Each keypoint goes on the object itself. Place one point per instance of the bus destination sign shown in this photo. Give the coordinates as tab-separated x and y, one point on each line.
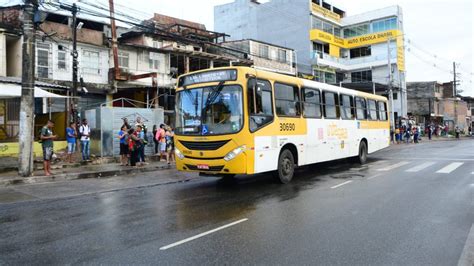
208	76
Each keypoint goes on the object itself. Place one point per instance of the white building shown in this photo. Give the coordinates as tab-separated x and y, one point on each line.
331	47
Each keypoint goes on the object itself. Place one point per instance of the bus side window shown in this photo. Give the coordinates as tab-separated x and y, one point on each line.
382	111
287	100
260	103
372	110
311	103
330	105
361	108
347	107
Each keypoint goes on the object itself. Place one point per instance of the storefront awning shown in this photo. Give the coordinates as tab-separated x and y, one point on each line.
10	90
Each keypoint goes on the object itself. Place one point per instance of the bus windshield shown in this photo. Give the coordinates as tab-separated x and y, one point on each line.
210	110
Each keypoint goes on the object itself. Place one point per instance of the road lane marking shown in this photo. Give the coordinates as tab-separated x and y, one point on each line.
202	234
342	184
373	176
393	166
420	167
467	255
449	168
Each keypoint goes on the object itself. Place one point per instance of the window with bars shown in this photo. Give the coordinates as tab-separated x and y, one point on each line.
263	51
282	55
62	64
90	62
154	61
42	60
123	60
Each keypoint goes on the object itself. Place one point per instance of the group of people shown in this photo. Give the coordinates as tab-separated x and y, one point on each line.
132	142
46	137
134	139
407	134
412	133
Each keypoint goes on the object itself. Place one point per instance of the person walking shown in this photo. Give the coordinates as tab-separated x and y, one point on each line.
85	132
469	130
71	138
416	133
155	141
169	145
123	137
160	137
47	138
457	131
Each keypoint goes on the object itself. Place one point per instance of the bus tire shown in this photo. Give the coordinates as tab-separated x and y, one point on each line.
362	156
286	167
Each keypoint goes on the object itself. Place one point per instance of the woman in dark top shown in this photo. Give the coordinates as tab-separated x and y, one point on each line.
155	129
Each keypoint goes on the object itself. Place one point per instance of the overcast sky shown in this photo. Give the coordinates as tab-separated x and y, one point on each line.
442	29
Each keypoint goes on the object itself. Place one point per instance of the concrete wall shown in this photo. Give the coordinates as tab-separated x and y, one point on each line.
280	22
238	19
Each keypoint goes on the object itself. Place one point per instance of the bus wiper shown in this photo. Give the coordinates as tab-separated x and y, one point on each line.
213	96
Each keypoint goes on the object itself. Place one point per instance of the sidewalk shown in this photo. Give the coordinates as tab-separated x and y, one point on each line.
100	168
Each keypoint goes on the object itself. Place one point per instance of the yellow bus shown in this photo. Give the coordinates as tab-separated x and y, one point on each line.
239	120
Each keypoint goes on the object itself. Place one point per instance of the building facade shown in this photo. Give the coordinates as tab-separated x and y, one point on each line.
432	103
266	56
363	51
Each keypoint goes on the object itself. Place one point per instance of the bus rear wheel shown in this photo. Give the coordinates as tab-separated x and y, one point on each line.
362	157
286	167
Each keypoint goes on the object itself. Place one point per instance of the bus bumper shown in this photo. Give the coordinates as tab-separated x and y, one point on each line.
238	165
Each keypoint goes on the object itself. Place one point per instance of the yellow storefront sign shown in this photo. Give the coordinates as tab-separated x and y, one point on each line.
364	40
326	13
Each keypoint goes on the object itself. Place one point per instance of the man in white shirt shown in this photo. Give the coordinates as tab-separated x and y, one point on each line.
85	132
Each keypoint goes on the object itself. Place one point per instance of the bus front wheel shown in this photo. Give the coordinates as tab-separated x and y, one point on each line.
362	157
286	167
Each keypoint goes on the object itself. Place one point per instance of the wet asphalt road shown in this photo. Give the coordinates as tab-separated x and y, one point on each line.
408	206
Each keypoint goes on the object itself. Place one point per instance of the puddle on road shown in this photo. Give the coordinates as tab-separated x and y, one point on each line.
347	176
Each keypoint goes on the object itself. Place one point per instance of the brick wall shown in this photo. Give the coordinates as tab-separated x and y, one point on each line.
83	35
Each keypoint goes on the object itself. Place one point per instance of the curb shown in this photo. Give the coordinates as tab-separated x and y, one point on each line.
81	175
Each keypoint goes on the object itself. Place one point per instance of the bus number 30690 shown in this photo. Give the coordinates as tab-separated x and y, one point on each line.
287	127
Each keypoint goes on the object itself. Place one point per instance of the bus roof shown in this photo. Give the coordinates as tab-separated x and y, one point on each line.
295	80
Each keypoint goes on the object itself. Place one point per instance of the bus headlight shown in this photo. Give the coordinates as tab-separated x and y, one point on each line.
178	153
231	155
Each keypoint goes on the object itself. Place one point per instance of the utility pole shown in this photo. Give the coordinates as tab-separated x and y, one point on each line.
454	80
389	85
25	137
74	64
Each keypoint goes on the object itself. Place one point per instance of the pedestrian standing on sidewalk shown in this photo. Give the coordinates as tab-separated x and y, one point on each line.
85	132
469	130
123	137
157	144
430	132
169	145
397	135
125	123
133	145
141	151
160	137
416	133
47	138
71	138
407	136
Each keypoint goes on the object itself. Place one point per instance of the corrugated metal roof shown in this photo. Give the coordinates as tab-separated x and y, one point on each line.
17	80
